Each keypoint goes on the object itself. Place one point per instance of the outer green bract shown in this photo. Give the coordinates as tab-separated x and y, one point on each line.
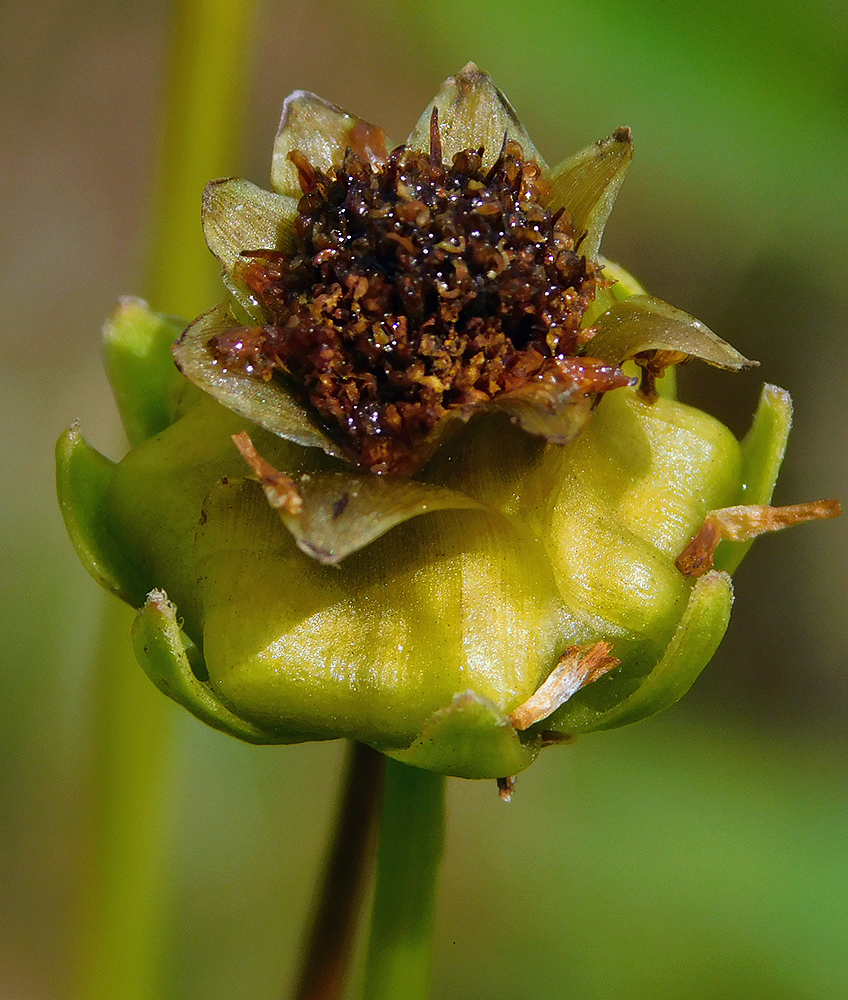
416	615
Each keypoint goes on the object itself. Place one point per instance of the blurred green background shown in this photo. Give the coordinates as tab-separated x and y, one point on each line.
702	854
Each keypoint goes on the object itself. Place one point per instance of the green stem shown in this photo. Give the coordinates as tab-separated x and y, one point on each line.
123	904
333	931
411	839
204	111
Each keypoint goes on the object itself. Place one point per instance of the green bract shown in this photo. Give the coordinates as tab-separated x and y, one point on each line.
534	551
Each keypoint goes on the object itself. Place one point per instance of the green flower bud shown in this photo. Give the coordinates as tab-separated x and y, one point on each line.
416	482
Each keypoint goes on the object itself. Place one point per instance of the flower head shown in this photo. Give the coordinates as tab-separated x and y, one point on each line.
452	276
431	496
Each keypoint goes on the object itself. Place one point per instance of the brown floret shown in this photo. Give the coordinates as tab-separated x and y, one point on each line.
416	289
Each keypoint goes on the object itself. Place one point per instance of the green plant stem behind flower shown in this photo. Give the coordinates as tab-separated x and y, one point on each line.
411	840
121	927
123	900
202	114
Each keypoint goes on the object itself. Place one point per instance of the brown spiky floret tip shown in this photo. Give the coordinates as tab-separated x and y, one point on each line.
417	289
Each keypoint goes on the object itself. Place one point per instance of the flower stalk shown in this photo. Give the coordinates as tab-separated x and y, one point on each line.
324	972
402	918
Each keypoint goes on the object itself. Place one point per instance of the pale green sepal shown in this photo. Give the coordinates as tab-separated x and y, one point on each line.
321	132
239	216
587	184
343	513
556	412
366	650
270	404
83	477
764	445
644	323
469	739
472	113
625	284
155	497
166	655
620	504
763	449
553	411
148	387
695	640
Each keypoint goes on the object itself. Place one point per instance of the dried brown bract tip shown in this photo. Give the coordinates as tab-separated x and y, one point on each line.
280	490
744	523
416	290
506	786
576	668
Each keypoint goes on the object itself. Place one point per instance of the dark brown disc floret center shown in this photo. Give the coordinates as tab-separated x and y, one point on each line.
415	289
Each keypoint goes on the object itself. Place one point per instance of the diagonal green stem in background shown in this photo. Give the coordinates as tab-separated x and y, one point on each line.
123	898
411	840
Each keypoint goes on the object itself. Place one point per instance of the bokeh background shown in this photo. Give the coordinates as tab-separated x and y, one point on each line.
701	854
